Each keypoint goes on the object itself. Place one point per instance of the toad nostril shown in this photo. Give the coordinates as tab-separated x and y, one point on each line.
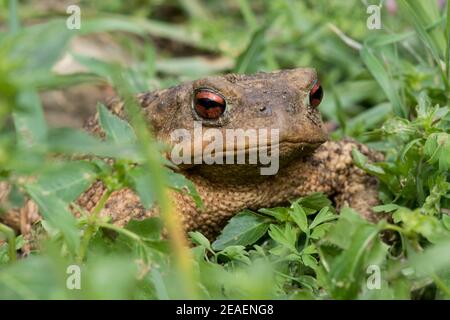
262	109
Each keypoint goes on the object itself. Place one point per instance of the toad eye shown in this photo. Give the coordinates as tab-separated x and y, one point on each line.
315	95
208	104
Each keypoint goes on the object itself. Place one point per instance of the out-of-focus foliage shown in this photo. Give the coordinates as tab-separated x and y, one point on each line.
389	89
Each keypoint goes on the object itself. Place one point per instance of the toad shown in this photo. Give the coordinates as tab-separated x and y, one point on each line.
285	102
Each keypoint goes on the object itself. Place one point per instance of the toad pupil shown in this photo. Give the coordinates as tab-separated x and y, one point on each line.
209	105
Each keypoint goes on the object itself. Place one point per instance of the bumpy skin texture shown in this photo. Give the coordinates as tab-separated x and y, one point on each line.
277	100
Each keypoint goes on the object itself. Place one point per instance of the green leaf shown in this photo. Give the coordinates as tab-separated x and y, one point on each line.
299	217
386	207
116	129
286	236
142	183
324	215
160	287
149	228
200	239
237	253
348	223
428	226
181	183
446	221
314	202
55	211
434	259
347	268
309	261
67	181
384	80
362	162
279	213
437	148
243	229
70	141
320	231
29	120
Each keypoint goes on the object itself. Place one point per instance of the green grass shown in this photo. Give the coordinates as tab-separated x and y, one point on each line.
390	91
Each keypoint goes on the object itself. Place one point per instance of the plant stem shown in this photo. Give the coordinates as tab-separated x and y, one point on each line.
92	225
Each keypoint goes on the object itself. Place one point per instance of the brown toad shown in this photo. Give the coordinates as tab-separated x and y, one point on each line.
286	101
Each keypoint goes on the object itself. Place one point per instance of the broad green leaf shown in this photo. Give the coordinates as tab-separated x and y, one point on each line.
29	120
342	231
348	266
116	129
243	229
67	181
142	183
149	228
56	212
72	141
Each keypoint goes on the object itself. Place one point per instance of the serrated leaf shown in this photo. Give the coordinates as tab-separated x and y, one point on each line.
68	181
181	183
142	183
70	141
299	217
279	213
286	236
314	202
320	231
386	207
309	261
324	215
116	129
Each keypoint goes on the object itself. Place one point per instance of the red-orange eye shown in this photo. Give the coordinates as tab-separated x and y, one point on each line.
315	95
208	104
